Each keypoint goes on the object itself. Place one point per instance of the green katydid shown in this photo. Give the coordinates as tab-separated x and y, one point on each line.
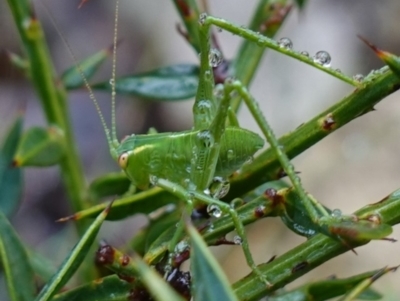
186	163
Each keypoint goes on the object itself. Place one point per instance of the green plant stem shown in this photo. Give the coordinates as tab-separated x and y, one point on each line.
267	19
52	96
362	100
263	41
312	253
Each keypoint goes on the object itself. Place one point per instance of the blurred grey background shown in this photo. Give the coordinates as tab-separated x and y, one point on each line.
357	165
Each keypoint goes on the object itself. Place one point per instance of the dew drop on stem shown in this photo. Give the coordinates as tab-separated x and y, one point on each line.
237	240
305	53
358	77
214	57
285	43
214	210
322	58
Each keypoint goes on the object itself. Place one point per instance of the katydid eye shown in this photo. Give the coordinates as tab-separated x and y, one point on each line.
123	160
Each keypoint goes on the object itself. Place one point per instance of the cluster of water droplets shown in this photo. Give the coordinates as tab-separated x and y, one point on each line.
322	57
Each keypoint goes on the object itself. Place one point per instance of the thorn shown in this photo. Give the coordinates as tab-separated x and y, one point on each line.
271	259
82	3
370	45
108	208
344	242
182	32
389	239
110	48
67	218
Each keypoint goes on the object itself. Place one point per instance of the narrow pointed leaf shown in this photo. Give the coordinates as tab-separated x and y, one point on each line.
10	177
328	289
14	260
393	61
176	82
72	78
40	147
105	289
73	261
210	282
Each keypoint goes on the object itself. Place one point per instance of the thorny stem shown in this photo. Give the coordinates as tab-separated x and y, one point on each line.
52	96
264	41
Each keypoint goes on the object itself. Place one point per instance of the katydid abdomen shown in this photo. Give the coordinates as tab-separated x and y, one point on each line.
169	155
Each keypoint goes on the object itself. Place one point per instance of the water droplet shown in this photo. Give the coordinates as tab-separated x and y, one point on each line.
305	53
285	43
206	138
181	246
219	187
206	191
202	18
237	240
323	58
214	57
338	70
249	160
111	81
358	77
336	213
219	91
230	154
214	210
260	42
153	180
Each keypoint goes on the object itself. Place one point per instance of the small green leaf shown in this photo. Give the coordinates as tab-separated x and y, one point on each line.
73	261
40	147
210	282
10	177
99	290
358	230
72	78
168	83
111	184
15	262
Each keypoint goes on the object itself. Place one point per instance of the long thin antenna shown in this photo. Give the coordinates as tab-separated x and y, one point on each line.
109	137
113	76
